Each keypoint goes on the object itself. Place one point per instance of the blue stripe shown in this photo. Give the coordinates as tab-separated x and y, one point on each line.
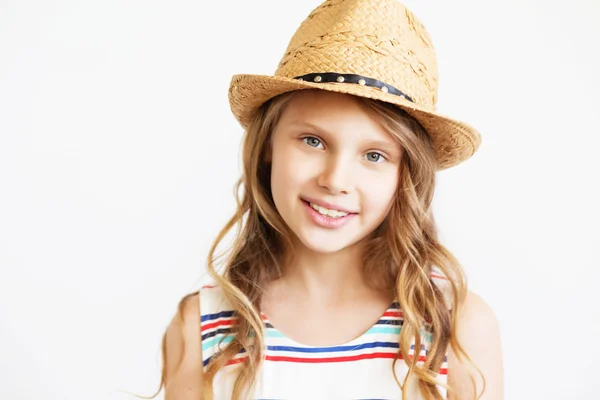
220	331
222	314
390	322
334	348
227	339
274	333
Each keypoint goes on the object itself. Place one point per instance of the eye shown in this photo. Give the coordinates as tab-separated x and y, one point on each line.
311	141
375	157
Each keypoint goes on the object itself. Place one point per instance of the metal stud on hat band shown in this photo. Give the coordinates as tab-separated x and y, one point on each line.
324	77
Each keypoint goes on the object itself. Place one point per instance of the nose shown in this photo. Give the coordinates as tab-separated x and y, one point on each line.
336	175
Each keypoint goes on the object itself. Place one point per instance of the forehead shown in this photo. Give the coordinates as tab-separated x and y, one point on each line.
332	112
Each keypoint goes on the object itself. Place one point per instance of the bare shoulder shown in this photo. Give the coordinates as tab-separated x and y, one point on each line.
183	352
478	333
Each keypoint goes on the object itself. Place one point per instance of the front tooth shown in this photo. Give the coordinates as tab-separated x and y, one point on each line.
322	210
330	213
340	214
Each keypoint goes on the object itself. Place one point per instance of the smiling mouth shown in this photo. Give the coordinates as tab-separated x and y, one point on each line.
326	211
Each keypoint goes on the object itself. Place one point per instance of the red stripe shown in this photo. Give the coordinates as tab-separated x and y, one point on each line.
393	314
325	360
208	287
331	359
236	361
218	323
443	371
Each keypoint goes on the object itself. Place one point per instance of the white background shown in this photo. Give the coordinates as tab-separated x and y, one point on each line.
118	155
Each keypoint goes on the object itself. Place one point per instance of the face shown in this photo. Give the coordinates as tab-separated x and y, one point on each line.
330	157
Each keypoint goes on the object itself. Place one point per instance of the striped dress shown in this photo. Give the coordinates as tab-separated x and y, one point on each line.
359	369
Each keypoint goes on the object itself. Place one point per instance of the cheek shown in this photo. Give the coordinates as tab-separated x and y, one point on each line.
379	194
286	174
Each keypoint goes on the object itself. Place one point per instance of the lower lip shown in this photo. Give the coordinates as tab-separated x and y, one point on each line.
324	220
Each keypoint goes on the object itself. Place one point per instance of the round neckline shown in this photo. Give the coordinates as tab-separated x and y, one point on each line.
392	307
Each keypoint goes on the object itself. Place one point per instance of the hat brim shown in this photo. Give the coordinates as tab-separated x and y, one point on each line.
454	141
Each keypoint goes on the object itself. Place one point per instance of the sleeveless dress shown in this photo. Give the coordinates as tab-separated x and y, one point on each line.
359	369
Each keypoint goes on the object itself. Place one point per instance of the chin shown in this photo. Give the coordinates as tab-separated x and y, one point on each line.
324	243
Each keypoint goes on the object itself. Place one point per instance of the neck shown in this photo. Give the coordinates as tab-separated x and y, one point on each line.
326	278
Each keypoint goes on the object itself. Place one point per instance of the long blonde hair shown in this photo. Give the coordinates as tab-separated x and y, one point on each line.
399	255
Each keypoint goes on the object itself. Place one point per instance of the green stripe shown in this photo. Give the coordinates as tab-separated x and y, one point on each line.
215	341
273	333
383	329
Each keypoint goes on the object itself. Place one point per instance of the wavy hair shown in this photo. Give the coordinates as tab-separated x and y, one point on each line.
399	256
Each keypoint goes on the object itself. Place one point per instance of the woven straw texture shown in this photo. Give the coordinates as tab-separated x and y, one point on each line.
379	39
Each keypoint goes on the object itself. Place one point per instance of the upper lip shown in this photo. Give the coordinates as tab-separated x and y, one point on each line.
327	205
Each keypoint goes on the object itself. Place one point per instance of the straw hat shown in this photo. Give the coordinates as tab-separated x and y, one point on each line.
369	48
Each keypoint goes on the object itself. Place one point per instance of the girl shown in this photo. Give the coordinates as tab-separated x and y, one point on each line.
336	286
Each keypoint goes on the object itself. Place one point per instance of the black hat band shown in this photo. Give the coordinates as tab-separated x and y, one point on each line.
321	77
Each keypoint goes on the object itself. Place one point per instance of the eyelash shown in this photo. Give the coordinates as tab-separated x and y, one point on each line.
371	152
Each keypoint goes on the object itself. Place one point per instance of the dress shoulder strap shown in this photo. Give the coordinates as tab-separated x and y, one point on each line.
216	319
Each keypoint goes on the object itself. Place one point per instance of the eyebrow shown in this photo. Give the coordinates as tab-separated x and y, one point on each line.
373	143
